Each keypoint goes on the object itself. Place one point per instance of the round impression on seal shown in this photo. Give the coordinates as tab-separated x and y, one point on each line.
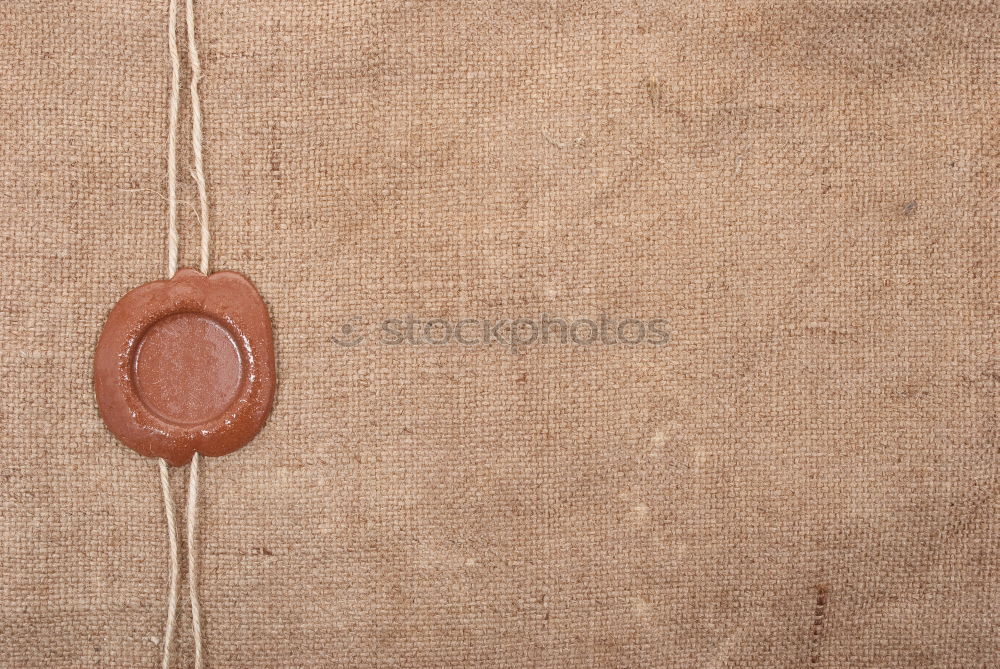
187	368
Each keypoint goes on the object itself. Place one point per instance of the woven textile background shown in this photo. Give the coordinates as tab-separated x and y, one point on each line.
806	475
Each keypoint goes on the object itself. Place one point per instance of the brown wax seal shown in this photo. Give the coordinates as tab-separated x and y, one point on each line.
186	365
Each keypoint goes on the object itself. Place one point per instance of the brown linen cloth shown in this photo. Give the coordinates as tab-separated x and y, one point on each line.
805	475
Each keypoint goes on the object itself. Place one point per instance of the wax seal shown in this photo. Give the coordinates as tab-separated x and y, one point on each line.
186	365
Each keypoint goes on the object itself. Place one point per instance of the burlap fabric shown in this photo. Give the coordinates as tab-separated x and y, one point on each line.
805	475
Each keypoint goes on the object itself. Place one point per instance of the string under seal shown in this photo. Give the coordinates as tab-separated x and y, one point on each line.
172	252
184	367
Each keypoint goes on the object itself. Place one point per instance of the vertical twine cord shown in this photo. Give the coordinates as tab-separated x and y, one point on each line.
168	504
199	168
192	520
172	251
172	244
199	177
175	95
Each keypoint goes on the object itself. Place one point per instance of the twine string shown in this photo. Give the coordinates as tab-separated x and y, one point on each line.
192	519
168	504
198	173
175	95
199	167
